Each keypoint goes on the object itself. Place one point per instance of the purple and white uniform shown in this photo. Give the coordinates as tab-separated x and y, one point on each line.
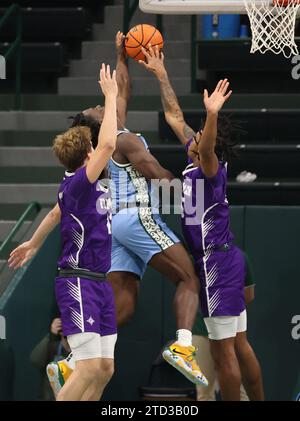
85	305
219	264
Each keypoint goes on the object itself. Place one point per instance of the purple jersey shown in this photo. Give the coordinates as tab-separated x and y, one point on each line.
221	270
85	223
209	229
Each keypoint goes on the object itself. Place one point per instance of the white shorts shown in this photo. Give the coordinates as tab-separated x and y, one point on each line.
88	345
223	327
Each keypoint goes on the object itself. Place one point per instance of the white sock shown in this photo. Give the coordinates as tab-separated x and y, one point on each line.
184	337
70	361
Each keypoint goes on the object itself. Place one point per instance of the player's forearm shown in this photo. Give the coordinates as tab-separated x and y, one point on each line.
108	131
122	75
46	226
209	135
169	99
173	113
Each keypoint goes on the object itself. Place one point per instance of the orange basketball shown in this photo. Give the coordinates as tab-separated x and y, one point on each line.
140	36
286	2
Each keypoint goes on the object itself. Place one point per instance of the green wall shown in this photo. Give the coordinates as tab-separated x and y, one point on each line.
269	235
28	306
271	239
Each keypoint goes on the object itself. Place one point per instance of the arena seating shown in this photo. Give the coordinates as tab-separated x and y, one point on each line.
51	24
277	162
249	72
51	35
55	3
268	148
260	125
47	58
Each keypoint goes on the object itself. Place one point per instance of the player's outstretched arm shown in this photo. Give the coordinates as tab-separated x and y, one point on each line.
173	113
206	146
108	131
26	251
141	159
123	79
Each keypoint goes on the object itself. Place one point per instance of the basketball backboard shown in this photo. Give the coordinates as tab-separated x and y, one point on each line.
193	6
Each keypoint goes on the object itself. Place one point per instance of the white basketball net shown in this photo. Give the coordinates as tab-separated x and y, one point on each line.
273	26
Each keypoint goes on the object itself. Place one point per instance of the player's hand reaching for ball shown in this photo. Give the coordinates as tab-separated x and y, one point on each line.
154	61
215	101
108	82
120	37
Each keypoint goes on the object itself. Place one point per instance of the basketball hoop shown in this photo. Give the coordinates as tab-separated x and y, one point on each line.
272	21
273	26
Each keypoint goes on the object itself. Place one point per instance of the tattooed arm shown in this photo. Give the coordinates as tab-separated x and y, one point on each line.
173	113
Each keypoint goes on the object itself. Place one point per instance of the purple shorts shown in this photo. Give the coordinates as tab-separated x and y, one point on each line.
222	280
86	306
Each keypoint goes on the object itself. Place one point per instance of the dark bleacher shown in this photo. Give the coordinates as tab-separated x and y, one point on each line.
267	193
50	24
261	125
277	162
270	148
269	162
42	63
271	144
276	166
57	3
39	58
233	55
52	35
247	72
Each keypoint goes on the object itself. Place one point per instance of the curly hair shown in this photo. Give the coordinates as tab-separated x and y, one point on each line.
72	147
82	120
228	137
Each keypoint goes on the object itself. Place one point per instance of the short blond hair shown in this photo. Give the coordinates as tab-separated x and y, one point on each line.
73	146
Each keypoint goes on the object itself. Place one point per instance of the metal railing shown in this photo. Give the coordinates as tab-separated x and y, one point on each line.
32	206
15	48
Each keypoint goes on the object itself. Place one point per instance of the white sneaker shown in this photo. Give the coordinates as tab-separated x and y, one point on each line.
246	177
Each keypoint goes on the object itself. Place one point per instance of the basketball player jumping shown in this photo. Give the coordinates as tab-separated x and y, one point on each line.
218	262
139	236
84	296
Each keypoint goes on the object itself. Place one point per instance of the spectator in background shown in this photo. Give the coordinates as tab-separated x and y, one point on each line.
53	347
201	342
